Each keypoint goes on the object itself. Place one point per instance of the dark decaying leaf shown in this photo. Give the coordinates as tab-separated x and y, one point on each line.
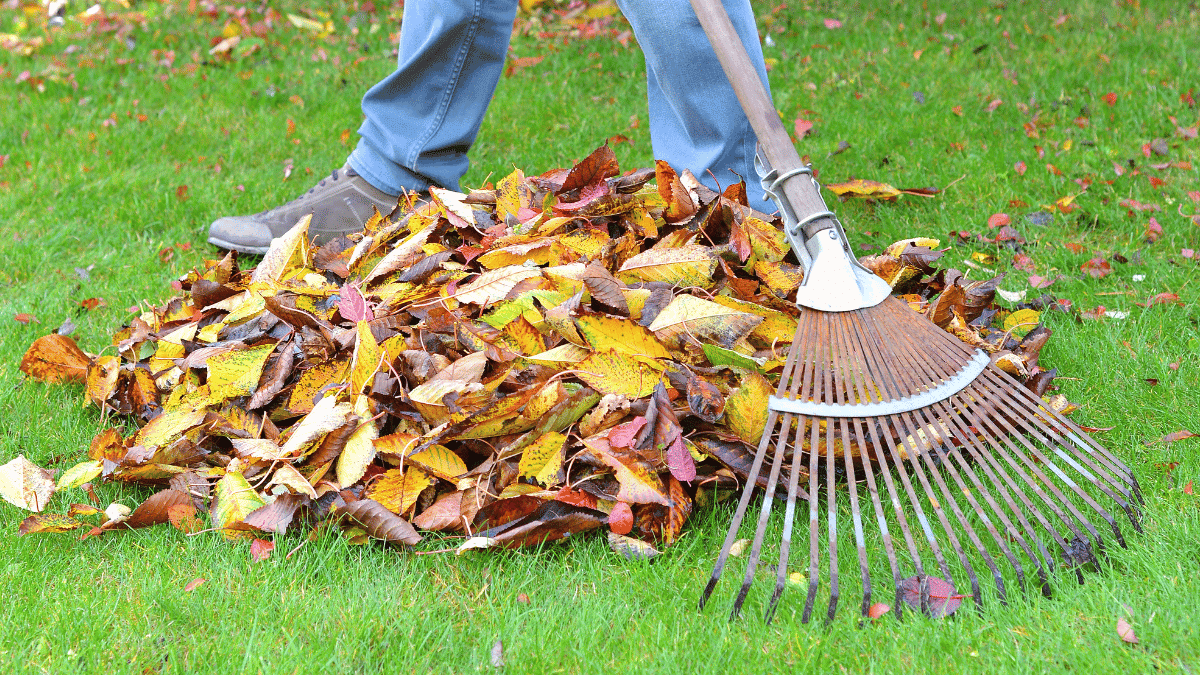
705	399
379	523
551	521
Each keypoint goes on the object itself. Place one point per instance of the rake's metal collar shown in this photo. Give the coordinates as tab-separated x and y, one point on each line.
943	391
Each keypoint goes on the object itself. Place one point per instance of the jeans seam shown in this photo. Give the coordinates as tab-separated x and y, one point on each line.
444	106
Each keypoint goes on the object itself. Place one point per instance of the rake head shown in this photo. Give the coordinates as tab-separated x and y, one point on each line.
882	417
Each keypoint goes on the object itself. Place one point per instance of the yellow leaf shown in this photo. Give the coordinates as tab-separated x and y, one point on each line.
368	357
325	416
168	427
287	252
440	461
236	372
898	247
293	481
746	407
312	381
1020	322
80	474
688	316
539	251
686	266
768	242
866	189
776	327
562	355
639	485
233	500
611	372
525	336
398	489
606	333
102	376
511	196
543	460
782	278
360	448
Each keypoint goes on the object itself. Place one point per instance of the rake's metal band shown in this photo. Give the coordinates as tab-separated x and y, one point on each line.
943	391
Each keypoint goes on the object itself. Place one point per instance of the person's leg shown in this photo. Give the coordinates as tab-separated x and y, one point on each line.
422	119
420	122
696	121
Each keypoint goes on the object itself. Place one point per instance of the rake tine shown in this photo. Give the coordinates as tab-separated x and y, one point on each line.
813	536
831	522
862	388
1054	440
1015	436
736	524
763	517
789	516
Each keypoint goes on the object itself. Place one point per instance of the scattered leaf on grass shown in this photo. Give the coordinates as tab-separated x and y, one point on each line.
25	484
1125	631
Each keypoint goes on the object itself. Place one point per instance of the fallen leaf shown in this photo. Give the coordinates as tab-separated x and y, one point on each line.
260	549
1125	631
25	484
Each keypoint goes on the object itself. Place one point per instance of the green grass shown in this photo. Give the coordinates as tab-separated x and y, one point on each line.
77	193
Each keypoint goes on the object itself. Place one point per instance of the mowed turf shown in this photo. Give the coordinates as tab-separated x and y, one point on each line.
122	138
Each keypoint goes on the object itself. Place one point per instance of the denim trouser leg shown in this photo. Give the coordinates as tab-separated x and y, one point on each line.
422	119
696	121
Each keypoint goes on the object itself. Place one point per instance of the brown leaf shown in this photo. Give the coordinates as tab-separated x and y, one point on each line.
55	358
379	523
680	205
596	167
445	514
156	509
551	521
604	287
1173	437
704	399
276	516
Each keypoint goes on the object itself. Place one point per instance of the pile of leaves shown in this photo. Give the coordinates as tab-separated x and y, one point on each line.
581	349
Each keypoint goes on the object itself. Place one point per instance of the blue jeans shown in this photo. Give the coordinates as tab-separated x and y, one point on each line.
422	119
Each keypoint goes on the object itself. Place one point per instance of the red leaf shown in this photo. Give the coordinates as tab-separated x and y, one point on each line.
181	192
877	610
24	318
1097	268
1153	230
1020	168
623	435
193	584
353	306
803	127
832	24
621	518
1040	281
680	461
260	549
93	303
1110	98
1187	489
1022	262
943	598
998	220
1125	631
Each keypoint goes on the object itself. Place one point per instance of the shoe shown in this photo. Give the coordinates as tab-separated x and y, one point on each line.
339	204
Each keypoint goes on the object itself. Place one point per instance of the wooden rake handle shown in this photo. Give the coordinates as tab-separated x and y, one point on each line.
802	195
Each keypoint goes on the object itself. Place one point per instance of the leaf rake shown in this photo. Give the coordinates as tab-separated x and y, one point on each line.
885	417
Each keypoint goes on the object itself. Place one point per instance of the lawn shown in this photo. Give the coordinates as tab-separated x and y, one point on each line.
122	137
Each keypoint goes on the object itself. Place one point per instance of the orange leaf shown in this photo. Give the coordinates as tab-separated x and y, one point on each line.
55	358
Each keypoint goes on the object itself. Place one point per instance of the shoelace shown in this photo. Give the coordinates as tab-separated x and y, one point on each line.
332	176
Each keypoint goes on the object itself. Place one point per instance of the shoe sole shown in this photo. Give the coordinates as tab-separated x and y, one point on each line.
252	250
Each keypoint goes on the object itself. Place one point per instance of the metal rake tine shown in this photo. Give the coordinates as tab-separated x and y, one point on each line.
789	515
1014	437
1094	471
744	502
763	517
831	521
970	442
760	453
813	534
1021	465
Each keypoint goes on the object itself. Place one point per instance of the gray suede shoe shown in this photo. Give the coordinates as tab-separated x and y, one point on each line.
339	204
